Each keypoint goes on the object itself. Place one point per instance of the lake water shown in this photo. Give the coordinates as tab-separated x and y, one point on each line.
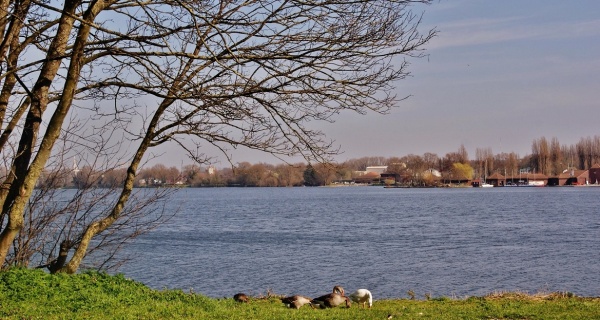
441	242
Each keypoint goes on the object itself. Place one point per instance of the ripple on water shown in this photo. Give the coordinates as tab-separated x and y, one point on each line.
435	241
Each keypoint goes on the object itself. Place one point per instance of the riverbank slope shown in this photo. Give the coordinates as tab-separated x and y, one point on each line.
34	294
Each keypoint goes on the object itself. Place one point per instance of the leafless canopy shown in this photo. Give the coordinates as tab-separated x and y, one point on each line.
228	73
254	73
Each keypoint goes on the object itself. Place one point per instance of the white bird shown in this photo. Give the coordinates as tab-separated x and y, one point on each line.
362	296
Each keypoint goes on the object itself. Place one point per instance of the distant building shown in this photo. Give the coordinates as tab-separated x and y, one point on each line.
527	179
389	178
211	170
496	179
433	172
594	174
76	169
368	178
377	169
570	177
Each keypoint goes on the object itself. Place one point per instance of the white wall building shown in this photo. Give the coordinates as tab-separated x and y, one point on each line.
377	169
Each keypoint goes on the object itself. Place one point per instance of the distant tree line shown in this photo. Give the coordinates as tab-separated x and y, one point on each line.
547	156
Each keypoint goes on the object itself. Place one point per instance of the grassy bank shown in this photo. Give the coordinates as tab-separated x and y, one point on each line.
33	294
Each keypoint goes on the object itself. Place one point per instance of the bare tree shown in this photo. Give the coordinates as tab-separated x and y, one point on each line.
569	154
360	164
55	218
484	158
327	172
595	151
290	175
540	155
225	73
556	158
463	155
431	160
415	166
588	152
507	163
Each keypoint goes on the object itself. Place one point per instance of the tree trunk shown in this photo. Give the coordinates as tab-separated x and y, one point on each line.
19	184
16	209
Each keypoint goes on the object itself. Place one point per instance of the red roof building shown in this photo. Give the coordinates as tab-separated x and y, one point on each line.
570	177
594	174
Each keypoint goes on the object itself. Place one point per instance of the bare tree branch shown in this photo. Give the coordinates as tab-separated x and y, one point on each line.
253	74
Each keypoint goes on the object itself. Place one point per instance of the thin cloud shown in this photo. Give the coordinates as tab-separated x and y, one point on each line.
472	32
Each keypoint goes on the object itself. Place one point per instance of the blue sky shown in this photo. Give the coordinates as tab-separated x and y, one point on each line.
499	75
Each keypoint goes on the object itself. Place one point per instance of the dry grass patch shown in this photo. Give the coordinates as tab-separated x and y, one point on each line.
540	296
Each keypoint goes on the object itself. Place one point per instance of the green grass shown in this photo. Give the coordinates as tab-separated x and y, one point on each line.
34	294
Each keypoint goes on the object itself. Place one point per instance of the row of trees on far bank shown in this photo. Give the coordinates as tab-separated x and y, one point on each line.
548	157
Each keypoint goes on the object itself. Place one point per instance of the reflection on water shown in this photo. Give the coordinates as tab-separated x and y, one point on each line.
443	242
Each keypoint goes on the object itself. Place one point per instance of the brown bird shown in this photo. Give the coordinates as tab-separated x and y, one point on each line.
295	301
331	300
241	297
338	289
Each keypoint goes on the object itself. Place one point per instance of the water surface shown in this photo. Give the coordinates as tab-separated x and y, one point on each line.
442	242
